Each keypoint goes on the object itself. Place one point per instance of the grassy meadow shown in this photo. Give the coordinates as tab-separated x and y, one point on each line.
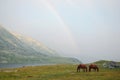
57	72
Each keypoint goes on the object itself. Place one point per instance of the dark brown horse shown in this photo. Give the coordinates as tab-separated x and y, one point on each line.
82	66
93	66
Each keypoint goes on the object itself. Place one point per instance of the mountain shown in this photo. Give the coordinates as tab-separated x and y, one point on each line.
101	62
15	48
36	45
107	64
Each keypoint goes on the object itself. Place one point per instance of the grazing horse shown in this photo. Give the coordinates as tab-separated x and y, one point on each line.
93	66
82	66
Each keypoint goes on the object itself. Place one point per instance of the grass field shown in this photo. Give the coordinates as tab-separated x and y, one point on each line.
57	72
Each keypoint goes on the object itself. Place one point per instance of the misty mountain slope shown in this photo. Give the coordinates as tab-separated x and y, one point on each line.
37	46
10	43
15	48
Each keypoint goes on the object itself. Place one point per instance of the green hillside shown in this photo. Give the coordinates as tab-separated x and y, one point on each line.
100	62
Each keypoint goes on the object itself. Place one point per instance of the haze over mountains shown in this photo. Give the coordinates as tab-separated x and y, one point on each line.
15	48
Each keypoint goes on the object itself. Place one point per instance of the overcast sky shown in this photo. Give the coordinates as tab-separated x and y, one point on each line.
86	29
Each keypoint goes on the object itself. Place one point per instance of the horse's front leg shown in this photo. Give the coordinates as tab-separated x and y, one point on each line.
78	70
86	69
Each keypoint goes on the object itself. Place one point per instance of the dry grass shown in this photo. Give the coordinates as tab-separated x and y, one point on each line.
57	72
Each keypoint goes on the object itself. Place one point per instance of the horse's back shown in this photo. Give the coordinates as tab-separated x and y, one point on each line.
92	65
82	66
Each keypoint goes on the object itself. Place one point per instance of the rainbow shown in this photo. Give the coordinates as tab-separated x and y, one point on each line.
64	26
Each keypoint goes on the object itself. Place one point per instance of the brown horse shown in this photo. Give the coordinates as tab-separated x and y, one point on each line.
82	66
93	66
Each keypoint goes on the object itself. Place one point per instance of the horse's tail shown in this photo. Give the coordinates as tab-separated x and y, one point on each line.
78	69
89	69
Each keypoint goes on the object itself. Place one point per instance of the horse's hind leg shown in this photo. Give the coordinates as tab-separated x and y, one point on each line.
83	70
89	69
97	69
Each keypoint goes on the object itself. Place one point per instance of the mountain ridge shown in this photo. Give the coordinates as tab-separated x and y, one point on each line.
38	46
19	49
